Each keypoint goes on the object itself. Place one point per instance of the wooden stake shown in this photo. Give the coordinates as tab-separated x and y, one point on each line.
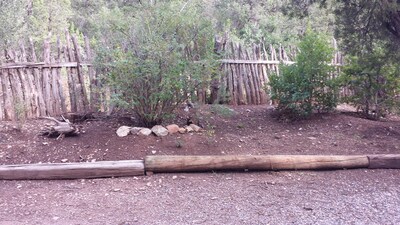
73	91
47	79
94	89
31	91
245	77
9	113
81	80
59	82
38	82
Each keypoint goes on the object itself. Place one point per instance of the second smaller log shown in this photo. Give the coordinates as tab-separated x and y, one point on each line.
72	170
384	161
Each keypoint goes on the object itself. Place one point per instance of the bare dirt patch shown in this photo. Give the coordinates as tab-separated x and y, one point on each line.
245	130
299	197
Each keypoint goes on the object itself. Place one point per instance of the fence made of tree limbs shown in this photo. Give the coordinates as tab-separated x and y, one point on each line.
246	70
60	79
54	80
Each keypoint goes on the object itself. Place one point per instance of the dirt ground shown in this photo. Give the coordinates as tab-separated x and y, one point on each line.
288	197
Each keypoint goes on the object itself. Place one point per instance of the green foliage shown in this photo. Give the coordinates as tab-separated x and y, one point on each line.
374	81
157	57
252	21
11	21
48	17
307	85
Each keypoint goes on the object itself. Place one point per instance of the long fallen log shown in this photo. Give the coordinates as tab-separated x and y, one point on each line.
244	162
163	164
72	170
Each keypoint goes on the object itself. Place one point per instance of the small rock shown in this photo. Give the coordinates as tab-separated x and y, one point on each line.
159	131
144	132
93	160
136	130
312	138
64	160
123	131
182	130
189	129
55	218
116	190
174	177
195	127
154	152
173	128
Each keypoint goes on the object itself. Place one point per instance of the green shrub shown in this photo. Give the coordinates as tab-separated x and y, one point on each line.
308	84
374	81
163	53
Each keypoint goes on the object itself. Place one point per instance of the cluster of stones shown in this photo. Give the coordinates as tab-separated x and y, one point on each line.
157	130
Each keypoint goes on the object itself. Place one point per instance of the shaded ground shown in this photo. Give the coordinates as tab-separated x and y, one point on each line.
245	130
326	197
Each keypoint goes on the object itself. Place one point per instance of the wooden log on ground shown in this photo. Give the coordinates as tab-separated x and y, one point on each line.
60	129
384	161
1	96
72	170
273	162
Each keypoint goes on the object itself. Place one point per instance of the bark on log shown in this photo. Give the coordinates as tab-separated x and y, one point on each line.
384	161
275	162
72	170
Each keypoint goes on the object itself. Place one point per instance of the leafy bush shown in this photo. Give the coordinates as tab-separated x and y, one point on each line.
374	81
165	50
308	84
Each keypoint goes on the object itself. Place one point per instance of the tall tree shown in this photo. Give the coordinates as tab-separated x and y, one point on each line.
47	17
251	20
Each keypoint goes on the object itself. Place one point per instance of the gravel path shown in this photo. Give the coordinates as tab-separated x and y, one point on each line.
292	197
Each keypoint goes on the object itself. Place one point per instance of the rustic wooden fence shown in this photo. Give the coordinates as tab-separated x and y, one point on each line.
55	80
60	78
245	71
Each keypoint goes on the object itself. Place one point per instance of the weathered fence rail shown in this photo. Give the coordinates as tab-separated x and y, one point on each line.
56	80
